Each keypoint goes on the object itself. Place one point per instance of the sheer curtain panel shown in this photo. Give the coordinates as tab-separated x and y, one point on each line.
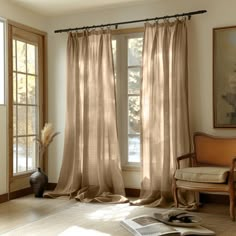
164	108
91	163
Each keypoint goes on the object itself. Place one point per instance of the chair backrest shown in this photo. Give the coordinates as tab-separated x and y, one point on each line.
212	150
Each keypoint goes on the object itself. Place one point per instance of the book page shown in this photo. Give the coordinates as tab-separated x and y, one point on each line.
198	230
147	225
157	229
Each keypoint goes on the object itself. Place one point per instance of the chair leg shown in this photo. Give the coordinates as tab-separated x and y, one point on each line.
231	204
175	193
197	198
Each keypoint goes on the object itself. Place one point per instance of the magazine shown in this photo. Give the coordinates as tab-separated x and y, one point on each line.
149	226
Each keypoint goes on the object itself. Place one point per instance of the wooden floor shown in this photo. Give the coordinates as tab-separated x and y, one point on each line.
34	216
21	211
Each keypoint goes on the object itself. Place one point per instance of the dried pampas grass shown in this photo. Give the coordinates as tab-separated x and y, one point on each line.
47	136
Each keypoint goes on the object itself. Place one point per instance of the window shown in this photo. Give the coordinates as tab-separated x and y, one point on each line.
2	62
27	102
127	53
25	105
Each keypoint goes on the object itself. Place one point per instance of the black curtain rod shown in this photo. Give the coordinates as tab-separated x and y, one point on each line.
189	14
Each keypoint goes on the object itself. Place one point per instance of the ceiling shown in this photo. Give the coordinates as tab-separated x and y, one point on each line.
64	7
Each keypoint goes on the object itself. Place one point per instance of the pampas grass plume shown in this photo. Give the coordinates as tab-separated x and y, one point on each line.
46	134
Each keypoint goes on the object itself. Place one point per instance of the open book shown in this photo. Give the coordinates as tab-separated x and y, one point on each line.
149	226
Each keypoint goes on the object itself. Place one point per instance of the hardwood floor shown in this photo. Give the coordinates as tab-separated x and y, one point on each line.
59	217
21	211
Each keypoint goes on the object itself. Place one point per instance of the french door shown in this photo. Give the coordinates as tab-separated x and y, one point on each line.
26	54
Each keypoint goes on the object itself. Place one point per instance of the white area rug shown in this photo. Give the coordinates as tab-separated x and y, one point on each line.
103	220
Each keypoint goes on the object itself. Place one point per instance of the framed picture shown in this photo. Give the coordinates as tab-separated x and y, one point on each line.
224	77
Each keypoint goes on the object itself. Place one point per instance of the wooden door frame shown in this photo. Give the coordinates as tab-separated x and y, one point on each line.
44	105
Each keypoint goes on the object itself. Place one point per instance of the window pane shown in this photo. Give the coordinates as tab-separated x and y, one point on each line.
32	120
14	54
134	148
31	153
135	47
21	89
31	89
31	57
134	115
2	65
14	155
25	96
21	56
21	154
21	121
14	119
14	88
134	81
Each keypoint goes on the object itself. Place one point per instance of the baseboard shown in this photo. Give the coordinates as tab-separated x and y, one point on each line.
131	192
3	198
20	193
51	186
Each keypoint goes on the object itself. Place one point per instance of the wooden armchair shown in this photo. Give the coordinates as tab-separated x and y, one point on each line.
212	168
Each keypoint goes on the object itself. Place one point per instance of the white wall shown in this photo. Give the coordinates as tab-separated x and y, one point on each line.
3	156
11	12
220	13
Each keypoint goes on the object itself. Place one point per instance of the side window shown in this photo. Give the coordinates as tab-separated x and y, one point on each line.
127	54
25	105
27	102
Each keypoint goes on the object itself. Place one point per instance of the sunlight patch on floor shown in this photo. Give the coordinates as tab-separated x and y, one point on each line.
114	213
76	230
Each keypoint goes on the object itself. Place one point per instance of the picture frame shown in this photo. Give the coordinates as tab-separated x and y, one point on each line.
224	77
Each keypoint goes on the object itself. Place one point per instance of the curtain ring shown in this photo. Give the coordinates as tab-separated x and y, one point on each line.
108	29
93	28
85	31
156	20
166	20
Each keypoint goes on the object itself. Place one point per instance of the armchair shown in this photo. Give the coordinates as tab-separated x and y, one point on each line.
212	168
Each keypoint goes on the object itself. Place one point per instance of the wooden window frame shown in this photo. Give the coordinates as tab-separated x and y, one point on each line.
17	182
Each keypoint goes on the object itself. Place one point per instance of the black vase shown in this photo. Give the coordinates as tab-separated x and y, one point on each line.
38	182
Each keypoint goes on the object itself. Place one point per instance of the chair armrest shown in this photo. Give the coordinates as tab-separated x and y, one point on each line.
190	156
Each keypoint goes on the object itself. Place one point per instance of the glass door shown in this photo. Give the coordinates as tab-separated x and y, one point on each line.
26	103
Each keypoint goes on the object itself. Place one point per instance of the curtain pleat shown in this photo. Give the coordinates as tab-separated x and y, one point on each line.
164	109
91	163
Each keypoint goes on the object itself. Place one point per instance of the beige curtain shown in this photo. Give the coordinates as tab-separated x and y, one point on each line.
91	163
164	113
